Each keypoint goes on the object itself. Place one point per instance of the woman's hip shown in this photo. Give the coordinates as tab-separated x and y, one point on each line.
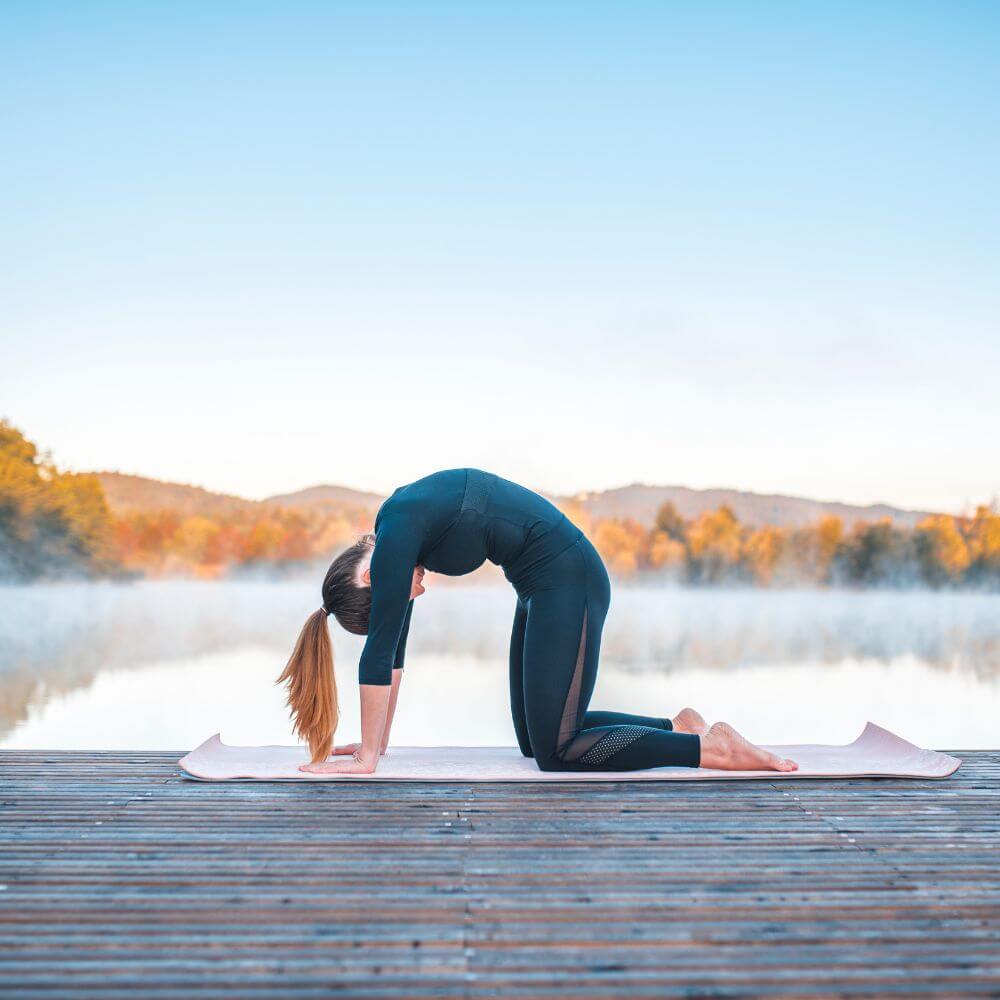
578	568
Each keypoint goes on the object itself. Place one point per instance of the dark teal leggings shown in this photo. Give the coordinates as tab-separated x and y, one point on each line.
555	646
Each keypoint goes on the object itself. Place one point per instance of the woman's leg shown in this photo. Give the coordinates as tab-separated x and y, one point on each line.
591	720
596	718
558	668
561	652
517	679
687	720
562	643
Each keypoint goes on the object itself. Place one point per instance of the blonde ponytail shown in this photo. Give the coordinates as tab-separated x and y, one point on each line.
312	686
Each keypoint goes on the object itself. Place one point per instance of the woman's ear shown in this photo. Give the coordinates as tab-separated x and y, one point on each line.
367	577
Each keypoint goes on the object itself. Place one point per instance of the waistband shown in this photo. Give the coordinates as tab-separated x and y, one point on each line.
529	567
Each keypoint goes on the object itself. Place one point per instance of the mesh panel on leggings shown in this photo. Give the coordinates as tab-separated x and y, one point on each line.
569	725
619	738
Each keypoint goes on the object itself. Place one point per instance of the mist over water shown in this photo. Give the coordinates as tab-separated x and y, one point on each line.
162	665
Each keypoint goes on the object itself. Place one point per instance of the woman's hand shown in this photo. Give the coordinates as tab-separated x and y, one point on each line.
374	700
356	765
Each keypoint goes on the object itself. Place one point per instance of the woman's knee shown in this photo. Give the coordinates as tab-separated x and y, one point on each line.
551	762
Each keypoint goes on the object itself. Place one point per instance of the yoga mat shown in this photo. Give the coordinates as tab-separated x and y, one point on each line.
876	753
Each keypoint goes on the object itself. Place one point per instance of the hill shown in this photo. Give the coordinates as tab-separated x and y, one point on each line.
136	493
638	501
327	497
641	502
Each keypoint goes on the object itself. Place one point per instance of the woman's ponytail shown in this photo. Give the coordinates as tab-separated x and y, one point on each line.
312	686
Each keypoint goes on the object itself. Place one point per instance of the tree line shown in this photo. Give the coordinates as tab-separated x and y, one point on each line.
715	548
57	524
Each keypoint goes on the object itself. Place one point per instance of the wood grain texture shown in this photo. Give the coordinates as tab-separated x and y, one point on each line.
122	879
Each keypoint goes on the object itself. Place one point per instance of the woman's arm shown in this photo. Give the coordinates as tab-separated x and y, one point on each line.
352	748
378	703
374	712
400	657
394	558
397	676
374	715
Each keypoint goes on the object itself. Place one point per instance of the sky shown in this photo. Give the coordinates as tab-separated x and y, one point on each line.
259	246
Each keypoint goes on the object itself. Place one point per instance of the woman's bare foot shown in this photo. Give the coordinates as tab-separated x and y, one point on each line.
689	721
724	748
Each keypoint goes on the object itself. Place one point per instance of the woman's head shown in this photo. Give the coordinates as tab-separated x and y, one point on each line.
347	592
312	684
347	589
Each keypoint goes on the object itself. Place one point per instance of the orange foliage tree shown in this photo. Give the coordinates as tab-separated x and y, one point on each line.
715	543
762	551
941	549
52	524
983	540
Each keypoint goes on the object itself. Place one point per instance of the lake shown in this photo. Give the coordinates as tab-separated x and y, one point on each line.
162	665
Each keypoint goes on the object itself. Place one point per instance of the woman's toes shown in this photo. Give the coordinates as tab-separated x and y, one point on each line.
777	763
690	720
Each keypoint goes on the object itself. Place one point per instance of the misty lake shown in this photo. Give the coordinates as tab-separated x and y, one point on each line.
162	665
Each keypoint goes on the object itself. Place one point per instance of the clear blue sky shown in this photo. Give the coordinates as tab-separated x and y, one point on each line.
257	246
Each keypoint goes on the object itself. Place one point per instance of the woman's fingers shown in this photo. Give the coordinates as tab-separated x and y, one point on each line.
346	748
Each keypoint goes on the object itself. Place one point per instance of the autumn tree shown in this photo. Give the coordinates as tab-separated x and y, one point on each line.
877	553
670	523
810	551
666	554
761	553
983	540
941	550
197	544
52	523
714	542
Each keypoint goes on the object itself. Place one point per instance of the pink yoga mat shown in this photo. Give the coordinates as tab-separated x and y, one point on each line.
876	753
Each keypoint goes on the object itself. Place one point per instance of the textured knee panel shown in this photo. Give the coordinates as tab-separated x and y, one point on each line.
616	740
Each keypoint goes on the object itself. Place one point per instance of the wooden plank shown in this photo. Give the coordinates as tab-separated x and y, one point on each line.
120	878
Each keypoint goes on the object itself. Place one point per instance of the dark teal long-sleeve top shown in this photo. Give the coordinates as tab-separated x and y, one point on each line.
451	522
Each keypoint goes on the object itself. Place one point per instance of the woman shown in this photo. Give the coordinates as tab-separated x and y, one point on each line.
451	522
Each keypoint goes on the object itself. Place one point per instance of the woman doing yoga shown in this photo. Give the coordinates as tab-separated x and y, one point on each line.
451	522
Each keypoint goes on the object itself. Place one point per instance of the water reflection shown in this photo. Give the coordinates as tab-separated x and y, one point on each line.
162	664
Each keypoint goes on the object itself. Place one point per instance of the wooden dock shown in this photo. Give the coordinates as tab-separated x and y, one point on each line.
120	878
